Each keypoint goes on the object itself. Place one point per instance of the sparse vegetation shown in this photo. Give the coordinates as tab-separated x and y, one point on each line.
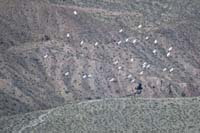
35	51
112	115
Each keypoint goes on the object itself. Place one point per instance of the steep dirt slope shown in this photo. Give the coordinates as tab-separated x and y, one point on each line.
54	52
112	115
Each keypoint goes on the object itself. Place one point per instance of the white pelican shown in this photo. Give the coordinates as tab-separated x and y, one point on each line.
81	42
89	75
119	68
112	79
84	76
75	13
170	49
132	59
119	42
68	35
164	69
148	66
155	41
171	70
96	44
141	73
116	62
168	54
67	73
129	76
154	51
140	26
121	30
134	41
45	56
144	64
133	80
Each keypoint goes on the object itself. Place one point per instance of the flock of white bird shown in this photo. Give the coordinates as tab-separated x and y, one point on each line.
116	62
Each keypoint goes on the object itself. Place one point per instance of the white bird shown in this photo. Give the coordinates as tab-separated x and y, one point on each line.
45	56
132	59
129	76
155	41
121	30
96	44
68	35
67	73
112	79
170	49
133	80
168	54
141	72
171	70
116	62
89	75
146	38
81	42
134	41
148	66
140	26
119	42
145	63
165	69
127	40
119	68
75	13
84	76
154	51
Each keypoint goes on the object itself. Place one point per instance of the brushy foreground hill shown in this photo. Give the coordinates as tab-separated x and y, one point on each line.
57	52
119	115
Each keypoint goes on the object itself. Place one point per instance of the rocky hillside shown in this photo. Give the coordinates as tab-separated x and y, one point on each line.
130	115
57	52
